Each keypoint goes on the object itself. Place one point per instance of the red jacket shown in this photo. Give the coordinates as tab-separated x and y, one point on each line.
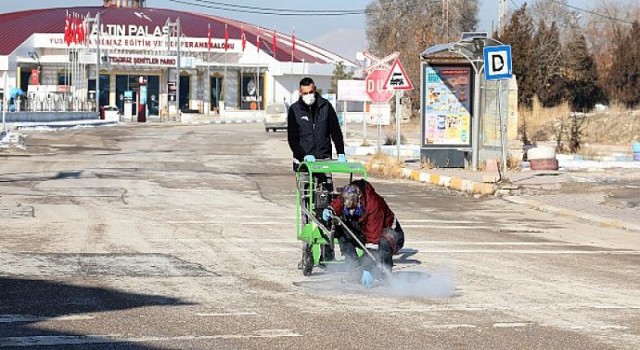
377	214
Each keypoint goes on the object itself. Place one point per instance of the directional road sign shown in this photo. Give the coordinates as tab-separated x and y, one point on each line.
398	78
497	62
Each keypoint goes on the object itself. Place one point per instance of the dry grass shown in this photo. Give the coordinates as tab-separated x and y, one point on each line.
513	163
428	164
540	122
386	165
617	126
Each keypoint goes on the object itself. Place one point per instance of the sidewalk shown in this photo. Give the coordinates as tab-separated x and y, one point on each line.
540	190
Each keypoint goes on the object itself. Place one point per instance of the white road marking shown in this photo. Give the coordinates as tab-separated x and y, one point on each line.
444	221
230	222
514	308
511	324
449	326
445	227
226	314
409	243
18	318
54	340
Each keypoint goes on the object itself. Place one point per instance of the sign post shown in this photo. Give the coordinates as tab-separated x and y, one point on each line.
398	81
378	72
5	101
497	66
377	93
350	90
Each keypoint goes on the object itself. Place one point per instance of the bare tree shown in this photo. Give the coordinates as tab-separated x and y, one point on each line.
411	26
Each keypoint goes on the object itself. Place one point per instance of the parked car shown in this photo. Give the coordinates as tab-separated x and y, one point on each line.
275	116
111	113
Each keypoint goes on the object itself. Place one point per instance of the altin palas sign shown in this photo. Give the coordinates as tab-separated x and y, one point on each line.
142	43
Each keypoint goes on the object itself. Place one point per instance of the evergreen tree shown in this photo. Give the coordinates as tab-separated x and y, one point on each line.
339	73
624	75
549	83
518	33
583	89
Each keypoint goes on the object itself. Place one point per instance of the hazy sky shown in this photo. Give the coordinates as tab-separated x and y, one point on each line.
308	27
343	34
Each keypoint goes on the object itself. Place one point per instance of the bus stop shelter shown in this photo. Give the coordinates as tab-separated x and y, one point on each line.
460	114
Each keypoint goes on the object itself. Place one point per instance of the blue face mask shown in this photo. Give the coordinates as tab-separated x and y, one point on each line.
356	213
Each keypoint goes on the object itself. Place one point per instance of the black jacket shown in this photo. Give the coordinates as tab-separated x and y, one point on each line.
311	129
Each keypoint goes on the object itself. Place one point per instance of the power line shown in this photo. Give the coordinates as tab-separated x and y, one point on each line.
272	8
266	11
591	12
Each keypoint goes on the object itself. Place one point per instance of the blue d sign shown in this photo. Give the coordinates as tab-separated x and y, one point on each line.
497	62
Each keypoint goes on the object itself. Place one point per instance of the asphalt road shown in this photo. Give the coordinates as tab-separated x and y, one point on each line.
183	237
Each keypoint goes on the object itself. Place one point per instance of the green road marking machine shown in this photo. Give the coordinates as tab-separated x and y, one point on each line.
314	193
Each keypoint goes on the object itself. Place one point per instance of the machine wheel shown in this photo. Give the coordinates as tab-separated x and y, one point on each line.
274	130
266	130
307	261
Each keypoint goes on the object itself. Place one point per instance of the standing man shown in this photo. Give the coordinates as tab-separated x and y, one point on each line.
312	124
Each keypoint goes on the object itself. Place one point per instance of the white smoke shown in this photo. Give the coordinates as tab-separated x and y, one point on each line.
439	284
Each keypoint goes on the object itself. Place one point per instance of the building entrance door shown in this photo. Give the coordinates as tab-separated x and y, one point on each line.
185	85
216	92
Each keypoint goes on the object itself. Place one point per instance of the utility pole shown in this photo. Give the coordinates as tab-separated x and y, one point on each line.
502	14
96	24
174	27
445	19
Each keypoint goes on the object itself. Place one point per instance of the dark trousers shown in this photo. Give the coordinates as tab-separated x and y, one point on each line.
391	241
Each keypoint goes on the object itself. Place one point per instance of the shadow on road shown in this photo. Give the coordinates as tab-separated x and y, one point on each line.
24	302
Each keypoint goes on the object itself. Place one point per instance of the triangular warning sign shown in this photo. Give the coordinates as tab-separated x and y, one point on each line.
398	79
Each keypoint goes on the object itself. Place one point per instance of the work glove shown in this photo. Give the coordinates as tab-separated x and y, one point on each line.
326	214
367	279
342	158
309	158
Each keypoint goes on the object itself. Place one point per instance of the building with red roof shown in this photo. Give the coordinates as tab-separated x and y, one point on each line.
53	54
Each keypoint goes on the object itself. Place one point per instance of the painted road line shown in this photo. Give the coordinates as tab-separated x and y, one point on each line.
511	324
445	221
503	308
415	252
528	251
226	314
446	227
57	340
233	222
18	318
542	244
449	326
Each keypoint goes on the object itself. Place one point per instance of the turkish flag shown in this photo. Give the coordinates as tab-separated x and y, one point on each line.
226	38
74	28
209	38
293	41
243	37
273	43
258	40
67	29
81	31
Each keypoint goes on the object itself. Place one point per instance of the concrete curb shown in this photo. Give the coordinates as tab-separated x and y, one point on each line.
568	212
220	122
64	125
453	182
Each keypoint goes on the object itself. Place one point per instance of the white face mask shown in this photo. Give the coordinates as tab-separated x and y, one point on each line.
309	99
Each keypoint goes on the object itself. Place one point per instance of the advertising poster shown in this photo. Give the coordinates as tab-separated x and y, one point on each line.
251	97
447	106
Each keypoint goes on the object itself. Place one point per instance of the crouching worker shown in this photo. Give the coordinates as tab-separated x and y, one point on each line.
368	216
